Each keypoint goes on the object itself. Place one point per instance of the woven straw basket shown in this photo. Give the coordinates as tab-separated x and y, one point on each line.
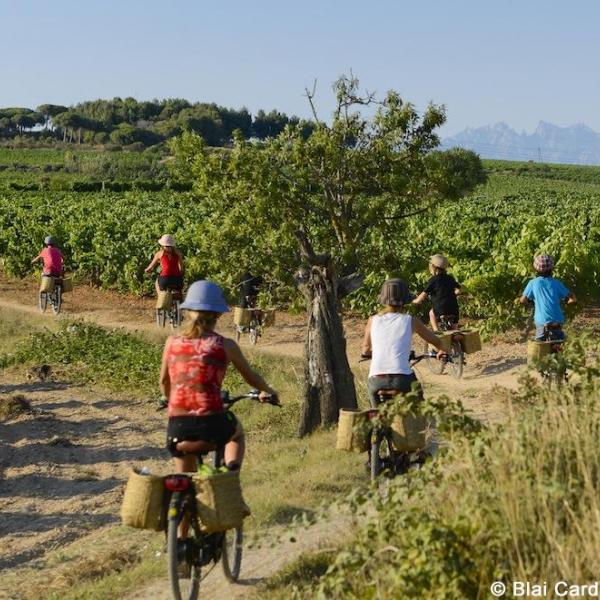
143	503
268	318
409	432
241	316
47	284
164	300
351	433
536	350
471	342
221	505
67	285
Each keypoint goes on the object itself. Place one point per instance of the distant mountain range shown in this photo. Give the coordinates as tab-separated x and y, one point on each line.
577	144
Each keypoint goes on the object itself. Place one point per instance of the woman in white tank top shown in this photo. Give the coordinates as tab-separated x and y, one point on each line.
388	341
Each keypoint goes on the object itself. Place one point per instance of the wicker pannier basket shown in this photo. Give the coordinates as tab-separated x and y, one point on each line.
410	432
144	505
536	350
445	338
47	284
67	285
268	318
352	433
221	505
164	300
242	316
471	342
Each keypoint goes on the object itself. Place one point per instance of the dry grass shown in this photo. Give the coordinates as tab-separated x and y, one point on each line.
13	406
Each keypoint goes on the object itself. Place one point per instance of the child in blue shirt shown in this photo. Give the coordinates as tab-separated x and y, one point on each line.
547	293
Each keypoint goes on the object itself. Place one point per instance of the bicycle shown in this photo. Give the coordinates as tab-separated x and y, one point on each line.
254	329
383	457
456	355
173	313
554	335
54	297
187	557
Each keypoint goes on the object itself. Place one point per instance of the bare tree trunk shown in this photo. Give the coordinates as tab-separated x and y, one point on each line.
329	382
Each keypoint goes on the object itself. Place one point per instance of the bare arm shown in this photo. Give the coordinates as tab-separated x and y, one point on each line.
524	300
165	380
234	354
420	298
426	334
153	262
366	345
36	259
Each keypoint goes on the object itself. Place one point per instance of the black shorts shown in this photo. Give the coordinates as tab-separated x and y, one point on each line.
217	429
172	282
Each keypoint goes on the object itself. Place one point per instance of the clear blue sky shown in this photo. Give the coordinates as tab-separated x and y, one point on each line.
487	61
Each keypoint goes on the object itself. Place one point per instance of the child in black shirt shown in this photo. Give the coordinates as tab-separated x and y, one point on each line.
442	289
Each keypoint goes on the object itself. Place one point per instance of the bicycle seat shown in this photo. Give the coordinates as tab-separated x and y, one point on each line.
553	326
388	393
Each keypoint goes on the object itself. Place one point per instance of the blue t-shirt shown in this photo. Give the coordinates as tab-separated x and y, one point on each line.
547	293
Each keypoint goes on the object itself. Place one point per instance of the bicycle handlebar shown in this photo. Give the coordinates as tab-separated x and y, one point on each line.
251	395
230	401
413	358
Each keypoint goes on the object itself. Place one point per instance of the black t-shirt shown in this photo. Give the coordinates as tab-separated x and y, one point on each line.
440	289
249	288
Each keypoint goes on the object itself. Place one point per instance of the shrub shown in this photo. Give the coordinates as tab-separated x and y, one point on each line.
517	502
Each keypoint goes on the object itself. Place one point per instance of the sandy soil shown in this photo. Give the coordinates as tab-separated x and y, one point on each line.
62	466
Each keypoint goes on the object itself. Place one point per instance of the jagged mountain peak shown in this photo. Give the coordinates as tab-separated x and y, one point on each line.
578	143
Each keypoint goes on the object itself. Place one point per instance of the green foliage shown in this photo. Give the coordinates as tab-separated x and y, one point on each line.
90	353
126	121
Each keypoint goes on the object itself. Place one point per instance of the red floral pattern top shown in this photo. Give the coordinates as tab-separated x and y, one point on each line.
196	369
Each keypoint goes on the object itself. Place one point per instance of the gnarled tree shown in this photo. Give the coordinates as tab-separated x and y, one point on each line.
313	200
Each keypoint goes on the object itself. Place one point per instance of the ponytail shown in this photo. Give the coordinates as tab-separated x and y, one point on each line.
200	322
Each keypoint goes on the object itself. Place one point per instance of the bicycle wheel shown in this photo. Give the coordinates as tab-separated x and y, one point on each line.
434	365
381	453
43	301
161	317
458	359
184	563
56	299
254	333
231	557
175	316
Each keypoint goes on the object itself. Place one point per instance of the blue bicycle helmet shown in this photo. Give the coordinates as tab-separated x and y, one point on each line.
49	241
205	295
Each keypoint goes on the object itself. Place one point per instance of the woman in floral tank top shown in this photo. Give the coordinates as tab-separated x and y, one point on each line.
192	372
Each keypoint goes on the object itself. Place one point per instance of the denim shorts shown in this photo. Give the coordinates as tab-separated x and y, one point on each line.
557	334
402	383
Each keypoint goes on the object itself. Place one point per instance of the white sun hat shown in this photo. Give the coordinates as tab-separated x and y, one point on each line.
167	240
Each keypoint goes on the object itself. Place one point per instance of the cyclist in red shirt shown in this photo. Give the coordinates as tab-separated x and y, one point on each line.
52	258
171	265
192	372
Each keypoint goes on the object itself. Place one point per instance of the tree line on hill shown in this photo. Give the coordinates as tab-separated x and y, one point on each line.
127	121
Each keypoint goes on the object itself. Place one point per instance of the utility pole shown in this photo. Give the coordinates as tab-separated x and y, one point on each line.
539	154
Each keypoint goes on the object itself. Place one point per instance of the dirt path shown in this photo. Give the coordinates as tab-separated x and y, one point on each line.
63	463
260	563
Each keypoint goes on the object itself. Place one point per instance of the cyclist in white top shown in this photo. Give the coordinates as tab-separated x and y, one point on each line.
388	341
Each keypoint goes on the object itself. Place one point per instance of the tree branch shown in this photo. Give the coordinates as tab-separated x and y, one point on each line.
310	96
